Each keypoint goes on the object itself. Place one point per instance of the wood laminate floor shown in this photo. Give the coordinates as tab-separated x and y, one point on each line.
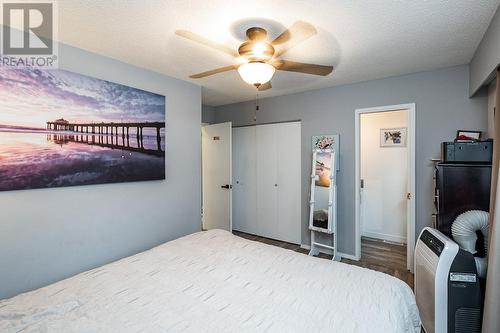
377	255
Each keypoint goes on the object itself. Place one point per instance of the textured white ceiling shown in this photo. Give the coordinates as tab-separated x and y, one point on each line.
364	40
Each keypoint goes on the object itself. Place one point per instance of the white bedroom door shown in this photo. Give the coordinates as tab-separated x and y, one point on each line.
216	175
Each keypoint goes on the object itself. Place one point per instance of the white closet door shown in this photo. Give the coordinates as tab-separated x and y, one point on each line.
267	186
289	181
244	180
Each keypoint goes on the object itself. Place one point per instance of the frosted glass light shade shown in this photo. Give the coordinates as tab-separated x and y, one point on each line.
256	73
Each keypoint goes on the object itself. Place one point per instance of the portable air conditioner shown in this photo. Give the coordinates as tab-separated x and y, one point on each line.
447	287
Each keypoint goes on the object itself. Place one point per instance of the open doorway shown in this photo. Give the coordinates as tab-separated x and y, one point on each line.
385	182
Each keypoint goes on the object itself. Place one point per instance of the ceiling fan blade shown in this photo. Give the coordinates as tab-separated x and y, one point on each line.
212	72
296	34
265	86
300	67
205	41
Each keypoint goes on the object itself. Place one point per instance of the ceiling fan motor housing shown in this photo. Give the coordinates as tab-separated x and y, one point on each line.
256	34
256	48
253	51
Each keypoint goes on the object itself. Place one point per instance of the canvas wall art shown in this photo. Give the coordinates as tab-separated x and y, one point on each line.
59	128
393	137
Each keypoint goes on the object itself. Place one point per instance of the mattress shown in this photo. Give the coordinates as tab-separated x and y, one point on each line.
214	281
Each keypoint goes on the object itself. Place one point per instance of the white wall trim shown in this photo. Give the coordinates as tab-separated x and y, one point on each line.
411	151
384	237
348	256
305	247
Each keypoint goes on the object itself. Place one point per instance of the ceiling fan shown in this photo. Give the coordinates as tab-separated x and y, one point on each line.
260	57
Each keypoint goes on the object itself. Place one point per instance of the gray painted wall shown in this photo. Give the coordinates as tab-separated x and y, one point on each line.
487	56
207	114
50	234
442	107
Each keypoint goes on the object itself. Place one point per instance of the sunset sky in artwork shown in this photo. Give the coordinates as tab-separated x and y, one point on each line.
31	97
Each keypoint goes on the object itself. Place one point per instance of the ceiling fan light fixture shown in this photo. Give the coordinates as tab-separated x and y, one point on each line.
259	49
256	59
256	73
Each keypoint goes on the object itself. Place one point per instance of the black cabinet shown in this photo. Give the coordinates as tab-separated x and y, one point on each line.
459	188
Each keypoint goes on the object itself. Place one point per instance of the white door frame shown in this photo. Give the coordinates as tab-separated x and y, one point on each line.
410	228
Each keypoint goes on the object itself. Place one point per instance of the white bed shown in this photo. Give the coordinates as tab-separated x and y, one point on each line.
216	282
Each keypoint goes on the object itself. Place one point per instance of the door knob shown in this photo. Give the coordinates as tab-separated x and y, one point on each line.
227	186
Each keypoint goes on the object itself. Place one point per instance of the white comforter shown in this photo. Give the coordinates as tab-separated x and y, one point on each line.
216	282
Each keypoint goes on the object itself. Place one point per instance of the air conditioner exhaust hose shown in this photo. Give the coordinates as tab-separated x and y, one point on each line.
464	233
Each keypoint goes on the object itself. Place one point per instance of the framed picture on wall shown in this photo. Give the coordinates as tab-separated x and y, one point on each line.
393	137
463	135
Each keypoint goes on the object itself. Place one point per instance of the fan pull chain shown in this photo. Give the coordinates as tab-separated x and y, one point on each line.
256	106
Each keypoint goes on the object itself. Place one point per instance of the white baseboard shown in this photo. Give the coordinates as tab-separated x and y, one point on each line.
320	249
348	256
328	251
382	236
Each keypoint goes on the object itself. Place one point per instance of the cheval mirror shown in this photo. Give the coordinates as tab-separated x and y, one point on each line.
323	207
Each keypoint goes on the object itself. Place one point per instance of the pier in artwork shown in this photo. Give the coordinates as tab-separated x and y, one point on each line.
110	128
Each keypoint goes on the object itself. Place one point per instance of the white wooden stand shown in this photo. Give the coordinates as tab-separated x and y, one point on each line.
315	246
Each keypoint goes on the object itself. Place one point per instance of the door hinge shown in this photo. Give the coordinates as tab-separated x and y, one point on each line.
408	196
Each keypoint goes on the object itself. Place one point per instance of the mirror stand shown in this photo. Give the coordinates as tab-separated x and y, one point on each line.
323	202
